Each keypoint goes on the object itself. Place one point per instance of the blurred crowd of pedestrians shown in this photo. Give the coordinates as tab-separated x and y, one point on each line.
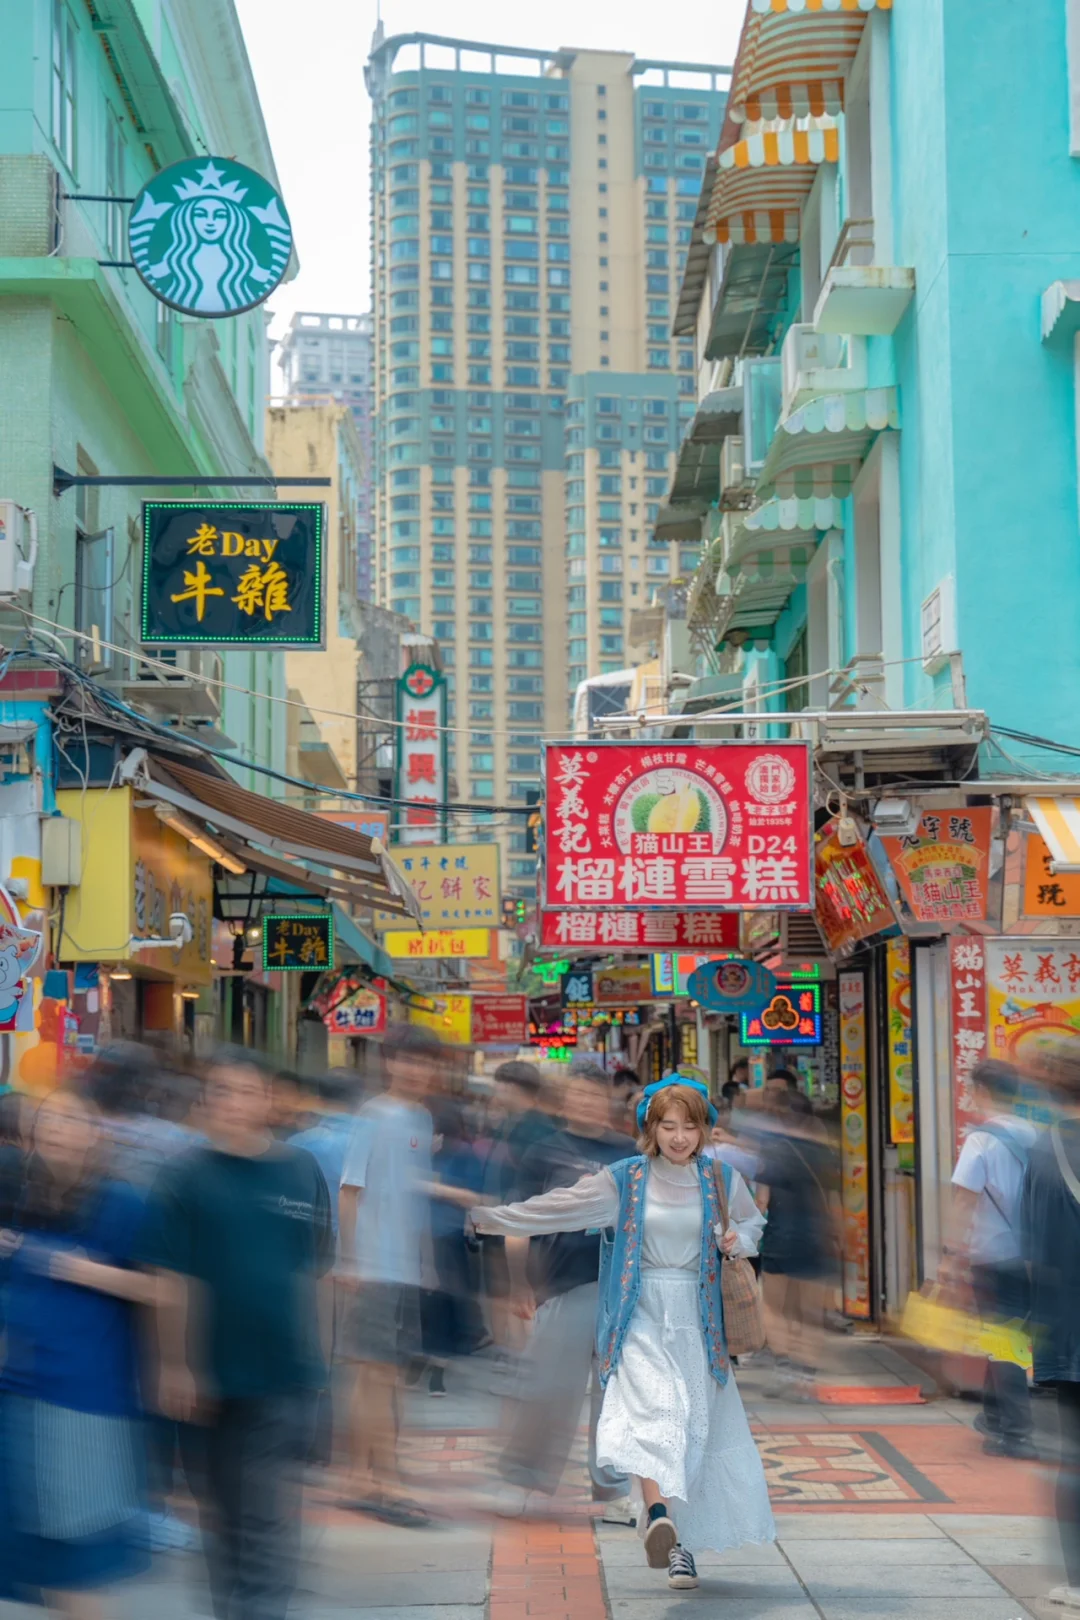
216	1282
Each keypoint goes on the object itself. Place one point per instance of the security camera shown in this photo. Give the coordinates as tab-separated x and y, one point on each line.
180	928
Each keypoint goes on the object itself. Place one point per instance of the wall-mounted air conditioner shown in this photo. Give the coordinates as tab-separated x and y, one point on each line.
814	363
18	549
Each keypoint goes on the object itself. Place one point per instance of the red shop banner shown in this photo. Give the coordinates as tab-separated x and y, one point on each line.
967	985
643	930
499	1020
719	826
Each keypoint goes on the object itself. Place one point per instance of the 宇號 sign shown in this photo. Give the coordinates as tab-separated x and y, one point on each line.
406	943
233	574
646	930
209	237
1047	893
715	826
943	868
457	886
420	771
301	942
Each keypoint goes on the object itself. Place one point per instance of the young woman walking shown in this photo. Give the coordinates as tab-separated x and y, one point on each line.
672	1415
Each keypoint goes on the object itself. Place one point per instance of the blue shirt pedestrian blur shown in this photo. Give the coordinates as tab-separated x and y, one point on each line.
336	1097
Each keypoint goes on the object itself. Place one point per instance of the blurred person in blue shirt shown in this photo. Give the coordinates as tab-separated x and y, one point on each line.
335	1098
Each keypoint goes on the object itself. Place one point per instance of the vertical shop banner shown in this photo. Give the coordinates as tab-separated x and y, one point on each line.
1032	996
943	869
854	1144
851	901
724	826
420	774
967	978
901	1055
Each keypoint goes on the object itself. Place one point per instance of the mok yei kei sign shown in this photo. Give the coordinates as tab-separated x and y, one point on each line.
233	574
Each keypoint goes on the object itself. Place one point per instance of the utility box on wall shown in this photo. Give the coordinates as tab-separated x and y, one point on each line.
61	852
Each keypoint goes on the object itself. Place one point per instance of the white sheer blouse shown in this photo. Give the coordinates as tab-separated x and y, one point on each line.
672	1231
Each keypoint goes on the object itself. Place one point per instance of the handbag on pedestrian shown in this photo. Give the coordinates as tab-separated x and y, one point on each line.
744	1315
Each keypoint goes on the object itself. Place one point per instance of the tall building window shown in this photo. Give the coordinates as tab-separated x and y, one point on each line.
114	184
63	82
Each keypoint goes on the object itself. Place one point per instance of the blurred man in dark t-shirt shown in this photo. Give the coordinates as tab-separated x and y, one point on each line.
554	1280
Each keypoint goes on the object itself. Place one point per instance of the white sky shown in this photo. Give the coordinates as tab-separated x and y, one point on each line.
308	58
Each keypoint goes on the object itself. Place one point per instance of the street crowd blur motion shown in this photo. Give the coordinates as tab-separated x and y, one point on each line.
221	1284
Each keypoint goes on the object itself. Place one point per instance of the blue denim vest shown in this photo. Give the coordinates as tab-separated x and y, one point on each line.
620	1267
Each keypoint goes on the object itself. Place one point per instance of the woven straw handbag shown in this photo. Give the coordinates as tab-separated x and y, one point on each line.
744	1317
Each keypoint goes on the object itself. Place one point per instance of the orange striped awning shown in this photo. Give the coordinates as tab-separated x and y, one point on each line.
798	8
758	204
792	59
787	145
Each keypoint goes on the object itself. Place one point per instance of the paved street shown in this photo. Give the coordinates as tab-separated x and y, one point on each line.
889	1511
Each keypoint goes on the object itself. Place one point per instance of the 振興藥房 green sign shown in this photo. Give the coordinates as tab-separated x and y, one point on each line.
233	574
209	237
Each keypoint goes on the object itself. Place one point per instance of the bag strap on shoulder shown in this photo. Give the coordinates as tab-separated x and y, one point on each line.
720	1182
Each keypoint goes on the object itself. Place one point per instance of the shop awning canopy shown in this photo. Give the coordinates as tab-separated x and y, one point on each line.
695	483
753	293
784	143
696	269
819	448
759	204
1058	822
792	59
778	525
297	838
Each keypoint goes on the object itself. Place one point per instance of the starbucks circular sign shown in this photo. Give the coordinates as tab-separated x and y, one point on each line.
209	237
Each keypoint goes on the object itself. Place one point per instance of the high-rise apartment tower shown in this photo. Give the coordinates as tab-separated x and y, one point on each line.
327	358
530	216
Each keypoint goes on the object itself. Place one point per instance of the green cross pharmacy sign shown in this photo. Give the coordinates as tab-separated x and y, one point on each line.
209	237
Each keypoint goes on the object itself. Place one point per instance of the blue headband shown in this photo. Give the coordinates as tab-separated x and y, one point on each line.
662	1085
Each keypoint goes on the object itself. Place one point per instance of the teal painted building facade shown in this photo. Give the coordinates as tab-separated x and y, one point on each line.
923	301
100	377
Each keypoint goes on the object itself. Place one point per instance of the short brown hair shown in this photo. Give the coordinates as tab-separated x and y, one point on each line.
690	1099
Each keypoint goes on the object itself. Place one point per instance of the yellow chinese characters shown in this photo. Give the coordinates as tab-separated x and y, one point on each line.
199	585
263	588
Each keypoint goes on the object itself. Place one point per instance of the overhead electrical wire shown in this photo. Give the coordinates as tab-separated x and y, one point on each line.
109	700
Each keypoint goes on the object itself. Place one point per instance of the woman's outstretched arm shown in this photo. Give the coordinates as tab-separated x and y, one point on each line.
591	1202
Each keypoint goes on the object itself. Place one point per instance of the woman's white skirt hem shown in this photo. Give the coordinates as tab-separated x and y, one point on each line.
666	1418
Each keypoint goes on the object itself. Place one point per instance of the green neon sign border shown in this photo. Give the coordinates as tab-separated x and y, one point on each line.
292	916
314	641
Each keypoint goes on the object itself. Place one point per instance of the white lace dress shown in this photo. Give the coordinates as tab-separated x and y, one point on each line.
664	1415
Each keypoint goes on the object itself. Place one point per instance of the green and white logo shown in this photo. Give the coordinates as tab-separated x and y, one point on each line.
209	237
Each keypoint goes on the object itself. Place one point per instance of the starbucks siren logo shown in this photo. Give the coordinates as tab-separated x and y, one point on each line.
209	237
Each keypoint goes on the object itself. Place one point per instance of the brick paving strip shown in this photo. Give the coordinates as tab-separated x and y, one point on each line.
544	1570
